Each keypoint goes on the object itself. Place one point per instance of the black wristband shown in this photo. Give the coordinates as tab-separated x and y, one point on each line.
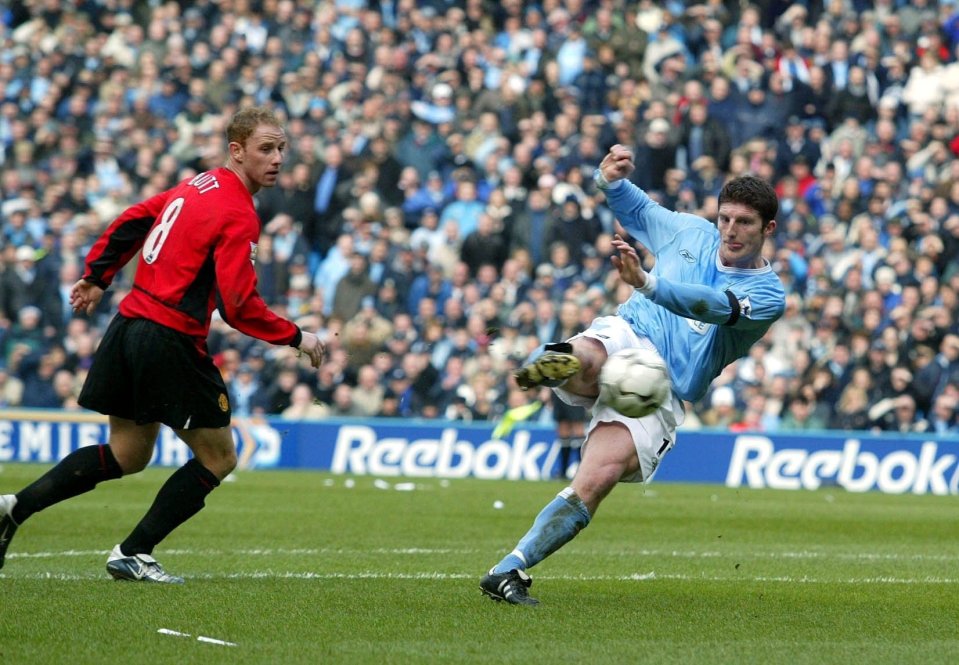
734	304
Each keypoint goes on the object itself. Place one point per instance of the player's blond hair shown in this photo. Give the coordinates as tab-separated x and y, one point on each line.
245	121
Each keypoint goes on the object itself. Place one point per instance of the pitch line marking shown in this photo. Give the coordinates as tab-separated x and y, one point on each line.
253	552
425	551
650	576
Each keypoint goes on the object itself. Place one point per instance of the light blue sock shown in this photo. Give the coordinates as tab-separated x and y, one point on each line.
557	524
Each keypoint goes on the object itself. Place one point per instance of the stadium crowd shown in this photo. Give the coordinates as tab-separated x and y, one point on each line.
436	218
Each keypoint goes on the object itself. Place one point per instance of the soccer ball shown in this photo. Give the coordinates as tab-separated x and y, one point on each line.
634	382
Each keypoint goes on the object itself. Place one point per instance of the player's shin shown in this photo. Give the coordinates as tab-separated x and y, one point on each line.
181	497
557	524
77	473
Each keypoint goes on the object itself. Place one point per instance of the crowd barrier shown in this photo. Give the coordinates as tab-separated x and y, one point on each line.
854	461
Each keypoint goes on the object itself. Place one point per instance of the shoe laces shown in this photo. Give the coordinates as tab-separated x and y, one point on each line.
153	567
517	585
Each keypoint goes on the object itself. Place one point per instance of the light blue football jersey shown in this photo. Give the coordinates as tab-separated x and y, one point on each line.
687	318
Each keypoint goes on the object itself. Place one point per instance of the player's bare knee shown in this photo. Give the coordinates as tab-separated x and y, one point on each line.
131	459
213	448
219	462
593	493
228	463
592	484
133	464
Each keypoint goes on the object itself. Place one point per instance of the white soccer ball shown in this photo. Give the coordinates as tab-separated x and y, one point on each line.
634	382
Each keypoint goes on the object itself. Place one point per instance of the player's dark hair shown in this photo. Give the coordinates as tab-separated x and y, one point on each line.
245	121
753	192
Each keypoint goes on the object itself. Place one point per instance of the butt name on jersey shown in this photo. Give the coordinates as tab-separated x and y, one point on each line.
205	182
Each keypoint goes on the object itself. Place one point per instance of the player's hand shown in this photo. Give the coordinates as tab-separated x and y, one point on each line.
617	164
311	345
85	296
627	263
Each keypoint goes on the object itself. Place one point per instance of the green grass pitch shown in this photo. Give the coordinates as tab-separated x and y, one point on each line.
312	568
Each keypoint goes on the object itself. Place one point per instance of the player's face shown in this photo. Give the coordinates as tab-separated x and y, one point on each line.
742	235
262	156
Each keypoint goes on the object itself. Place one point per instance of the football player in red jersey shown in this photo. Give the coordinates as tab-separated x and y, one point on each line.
197	244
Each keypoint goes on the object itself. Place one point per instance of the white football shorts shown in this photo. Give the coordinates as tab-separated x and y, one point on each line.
653	435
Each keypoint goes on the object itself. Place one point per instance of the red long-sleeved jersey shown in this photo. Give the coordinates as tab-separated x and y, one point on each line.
198	244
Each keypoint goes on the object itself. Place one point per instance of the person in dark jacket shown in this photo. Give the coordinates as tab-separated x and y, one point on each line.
701	135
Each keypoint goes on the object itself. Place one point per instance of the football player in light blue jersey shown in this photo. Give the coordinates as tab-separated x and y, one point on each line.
710	296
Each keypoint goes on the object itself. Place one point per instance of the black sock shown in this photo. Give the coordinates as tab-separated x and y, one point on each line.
576	443
78	472
564	452
181	497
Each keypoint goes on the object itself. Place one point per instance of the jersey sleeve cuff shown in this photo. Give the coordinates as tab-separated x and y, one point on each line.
649	288
297	338
603	183
95	281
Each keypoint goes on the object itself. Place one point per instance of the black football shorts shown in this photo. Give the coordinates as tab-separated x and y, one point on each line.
149	373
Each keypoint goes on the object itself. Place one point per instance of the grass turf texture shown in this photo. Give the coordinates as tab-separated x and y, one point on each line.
301	568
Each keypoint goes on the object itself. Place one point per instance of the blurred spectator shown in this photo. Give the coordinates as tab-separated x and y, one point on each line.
573	229
343	405
245	392
331	196
484	246
66	389
36	370
529	229
11	389
22	284
722	411
365	333
352	288
851	410
369	391
465	209
944	417
897	414
755	417
278	395
25	335
701	135
800	416
421	148
657	154
334	266
303	405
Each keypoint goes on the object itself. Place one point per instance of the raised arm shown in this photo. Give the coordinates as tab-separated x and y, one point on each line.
647	221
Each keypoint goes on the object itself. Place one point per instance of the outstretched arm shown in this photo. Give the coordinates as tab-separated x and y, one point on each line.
644	219
691	301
